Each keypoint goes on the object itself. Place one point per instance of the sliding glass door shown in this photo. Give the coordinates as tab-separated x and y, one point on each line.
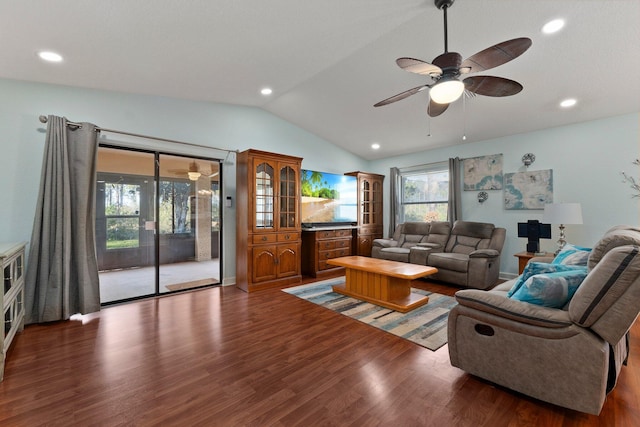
189	200
140	256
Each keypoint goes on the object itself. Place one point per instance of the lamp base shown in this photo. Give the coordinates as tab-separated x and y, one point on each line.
561	240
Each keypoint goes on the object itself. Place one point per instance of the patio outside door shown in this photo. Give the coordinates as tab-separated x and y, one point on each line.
139	256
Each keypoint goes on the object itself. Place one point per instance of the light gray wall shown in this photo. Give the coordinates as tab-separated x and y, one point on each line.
586	159
225	126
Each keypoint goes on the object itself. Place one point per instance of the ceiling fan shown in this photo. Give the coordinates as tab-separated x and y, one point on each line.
446	69
194	172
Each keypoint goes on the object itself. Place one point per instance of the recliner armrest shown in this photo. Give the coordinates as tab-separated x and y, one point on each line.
484	253
385	243
522	312
429	245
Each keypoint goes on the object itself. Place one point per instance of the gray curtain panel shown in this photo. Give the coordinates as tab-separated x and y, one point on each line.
394	175
62	271
455	207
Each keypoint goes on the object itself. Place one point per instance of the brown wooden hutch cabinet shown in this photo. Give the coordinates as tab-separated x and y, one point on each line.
369	211
268	228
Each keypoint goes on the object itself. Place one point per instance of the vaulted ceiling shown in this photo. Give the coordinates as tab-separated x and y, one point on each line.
329	61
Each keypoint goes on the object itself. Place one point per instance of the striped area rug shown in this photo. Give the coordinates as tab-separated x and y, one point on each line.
425	326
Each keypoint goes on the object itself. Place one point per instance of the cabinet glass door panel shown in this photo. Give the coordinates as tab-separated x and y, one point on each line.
366	202
264	197
377	203
288	183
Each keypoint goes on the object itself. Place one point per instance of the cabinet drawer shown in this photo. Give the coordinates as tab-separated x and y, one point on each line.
263	238
288	237
326	234
368	230
343	243
342	252
343	233
325	255
324	245
322	265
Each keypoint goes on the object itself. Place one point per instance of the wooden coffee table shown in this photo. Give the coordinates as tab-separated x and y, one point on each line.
382	282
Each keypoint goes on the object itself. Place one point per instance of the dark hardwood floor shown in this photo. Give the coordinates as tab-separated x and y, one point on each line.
222	357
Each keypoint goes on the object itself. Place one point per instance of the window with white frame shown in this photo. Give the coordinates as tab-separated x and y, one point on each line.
424	192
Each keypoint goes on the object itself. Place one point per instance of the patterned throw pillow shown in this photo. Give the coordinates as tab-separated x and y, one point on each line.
534	268
551	289
572	255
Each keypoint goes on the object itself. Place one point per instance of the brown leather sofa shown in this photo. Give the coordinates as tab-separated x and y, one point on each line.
467	254
570	356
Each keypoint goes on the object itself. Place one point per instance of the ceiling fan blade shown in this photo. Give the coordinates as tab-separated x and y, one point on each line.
491	86
435	109
401	95
496	55
418	66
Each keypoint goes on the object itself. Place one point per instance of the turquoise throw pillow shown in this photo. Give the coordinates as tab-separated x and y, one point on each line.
551	289
572	255
534	268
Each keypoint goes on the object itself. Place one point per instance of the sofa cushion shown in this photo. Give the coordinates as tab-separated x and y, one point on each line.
449	261
550	289
572	255
467	236
411	240
480	230
395	254
420	228
439	233
533	268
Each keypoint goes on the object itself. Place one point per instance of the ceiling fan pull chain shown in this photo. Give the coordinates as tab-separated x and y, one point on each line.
464	117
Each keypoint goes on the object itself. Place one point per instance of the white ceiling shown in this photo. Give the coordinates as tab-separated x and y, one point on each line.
329	61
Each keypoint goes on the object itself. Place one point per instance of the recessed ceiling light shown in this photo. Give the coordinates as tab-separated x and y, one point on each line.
375	146
50	56
553	26
568	103
266	91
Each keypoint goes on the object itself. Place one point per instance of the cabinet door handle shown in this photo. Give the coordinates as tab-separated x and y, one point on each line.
264	238
287	237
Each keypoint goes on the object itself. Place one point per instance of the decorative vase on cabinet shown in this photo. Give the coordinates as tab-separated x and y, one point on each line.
370	219
268	229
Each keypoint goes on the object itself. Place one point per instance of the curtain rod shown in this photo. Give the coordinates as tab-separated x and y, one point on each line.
43	119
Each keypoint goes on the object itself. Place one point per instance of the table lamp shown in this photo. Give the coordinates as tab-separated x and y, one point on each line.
562	213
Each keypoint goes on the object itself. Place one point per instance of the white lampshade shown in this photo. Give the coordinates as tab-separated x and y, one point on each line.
562	213
193	176
447	91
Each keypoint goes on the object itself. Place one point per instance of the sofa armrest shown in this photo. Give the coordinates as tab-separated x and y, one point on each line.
522	312
385	243
484	253
429	245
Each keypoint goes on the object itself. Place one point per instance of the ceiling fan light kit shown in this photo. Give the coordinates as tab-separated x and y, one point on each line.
445	92
445	86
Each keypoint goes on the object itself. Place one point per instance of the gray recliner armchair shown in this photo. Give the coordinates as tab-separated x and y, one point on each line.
569	356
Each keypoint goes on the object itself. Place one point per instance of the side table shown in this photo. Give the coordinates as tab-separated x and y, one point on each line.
524	257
